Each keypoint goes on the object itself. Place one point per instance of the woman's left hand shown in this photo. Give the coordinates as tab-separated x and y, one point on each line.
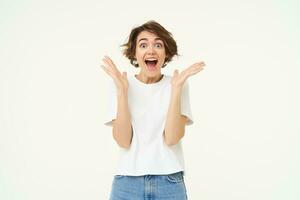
178	79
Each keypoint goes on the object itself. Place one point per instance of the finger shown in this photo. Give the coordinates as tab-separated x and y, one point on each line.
197	66
185	70
114	68
107	67
106	61
110	72
106	70
111	68
176	71
111	62
195	71
201	63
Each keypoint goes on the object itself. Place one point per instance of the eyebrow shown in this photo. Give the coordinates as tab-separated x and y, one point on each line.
147	39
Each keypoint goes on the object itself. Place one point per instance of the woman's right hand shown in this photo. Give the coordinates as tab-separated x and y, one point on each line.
120	79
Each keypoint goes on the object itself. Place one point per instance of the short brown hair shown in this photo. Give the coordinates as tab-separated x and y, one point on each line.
155	28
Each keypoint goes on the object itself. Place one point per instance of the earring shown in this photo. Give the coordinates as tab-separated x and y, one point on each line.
134	62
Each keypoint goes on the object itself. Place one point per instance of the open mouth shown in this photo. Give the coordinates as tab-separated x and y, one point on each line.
151	63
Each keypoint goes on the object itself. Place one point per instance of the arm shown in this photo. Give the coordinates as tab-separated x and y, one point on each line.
122	130
175	122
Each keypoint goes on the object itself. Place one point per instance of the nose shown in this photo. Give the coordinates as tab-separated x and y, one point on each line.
151	50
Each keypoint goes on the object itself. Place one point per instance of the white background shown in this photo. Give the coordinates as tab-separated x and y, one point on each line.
244	143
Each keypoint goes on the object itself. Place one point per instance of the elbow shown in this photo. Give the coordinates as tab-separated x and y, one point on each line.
124	145
172	141
123	140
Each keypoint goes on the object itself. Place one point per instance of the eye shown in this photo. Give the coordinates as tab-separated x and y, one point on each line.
159	45
143	45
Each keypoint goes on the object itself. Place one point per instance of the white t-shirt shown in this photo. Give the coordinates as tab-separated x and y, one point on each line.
148	105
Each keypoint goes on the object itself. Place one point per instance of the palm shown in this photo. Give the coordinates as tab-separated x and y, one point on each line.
178	79
110	68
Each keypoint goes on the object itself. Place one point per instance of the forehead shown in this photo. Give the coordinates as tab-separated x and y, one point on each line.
146	35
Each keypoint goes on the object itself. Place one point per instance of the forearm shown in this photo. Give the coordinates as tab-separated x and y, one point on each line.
122	130
175	126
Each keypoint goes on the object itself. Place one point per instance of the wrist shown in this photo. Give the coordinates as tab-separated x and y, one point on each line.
122	92
177	88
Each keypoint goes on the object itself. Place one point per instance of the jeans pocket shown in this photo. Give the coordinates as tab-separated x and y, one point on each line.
175	178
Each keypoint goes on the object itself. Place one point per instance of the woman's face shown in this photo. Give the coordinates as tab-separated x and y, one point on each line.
150	53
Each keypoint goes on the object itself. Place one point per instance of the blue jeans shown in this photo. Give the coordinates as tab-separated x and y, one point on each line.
149	187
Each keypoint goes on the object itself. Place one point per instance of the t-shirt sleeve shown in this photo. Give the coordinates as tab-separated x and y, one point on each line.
111	107
185	104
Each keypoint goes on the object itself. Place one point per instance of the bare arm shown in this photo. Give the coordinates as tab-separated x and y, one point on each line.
122	130
175	122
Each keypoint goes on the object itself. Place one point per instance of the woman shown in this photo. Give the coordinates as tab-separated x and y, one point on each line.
148	113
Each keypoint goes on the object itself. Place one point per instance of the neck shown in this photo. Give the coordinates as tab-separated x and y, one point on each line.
146	79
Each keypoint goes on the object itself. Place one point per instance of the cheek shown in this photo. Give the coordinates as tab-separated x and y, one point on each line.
139	54
139	57
162	53
163	56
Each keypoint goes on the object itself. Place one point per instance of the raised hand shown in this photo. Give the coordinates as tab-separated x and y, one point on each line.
178	79
120	80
